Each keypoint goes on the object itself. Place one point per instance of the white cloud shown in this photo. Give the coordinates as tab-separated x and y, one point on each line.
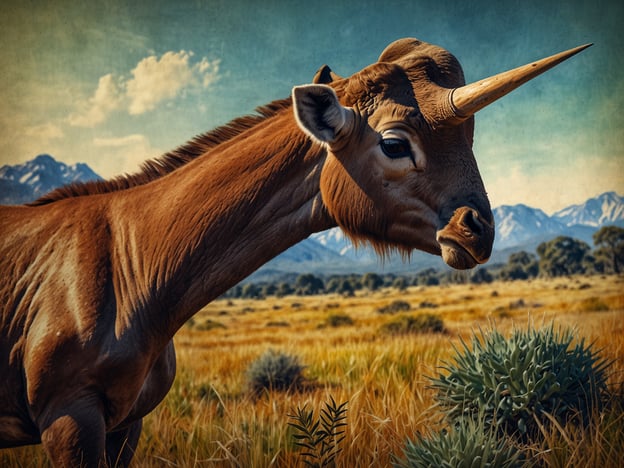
153	80
124	154
108	97
45	132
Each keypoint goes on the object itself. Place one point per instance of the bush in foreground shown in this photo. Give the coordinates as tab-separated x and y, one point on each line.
520	383
275	371
467	444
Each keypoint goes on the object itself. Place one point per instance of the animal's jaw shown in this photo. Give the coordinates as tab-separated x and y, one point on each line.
456	256
466	241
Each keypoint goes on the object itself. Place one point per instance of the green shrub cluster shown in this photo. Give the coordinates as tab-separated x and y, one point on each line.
514	382
467	444
498	392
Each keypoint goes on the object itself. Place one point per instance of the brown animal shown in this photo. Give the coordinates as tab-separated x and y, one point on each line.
97	278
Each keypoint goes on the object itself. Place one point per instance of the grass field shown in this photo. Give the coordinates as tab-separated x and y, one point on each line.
210	418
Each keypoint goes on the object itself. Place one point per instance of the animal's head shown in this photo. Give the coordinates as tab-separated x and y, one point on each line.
400	172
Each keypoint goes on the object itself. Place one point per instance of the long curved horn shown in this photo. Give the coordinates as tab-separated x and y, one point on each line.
467	100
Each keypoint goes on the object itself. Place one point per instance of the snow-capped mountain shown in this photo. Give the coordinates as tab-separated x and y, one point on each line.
518	224
26	182
607	208
336	240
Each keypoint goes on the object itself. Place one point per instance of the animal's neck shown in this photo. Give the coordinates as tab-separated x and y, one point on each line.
188	237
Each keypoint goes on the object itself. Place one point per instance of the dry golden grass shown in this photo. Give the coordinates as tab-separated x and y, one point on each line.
210	418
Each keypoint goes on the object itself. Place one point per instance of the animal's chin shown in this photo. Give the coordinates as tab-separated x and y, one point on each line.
454	255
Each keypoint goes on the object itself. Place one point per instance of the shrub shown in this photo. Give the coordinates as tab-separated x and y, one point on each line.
339	320
467	444
275	371
394	307
208	325
514	382
593	304
424	323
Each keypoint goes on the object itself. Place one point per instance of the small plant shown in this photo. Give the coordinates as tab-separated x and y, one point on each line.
275	371
339	320
593	304
208	324
394	307
468	444
514	382
320	437
423	323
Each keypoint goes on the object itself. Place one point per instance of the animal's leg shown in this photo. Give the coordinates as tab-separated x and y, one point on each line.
121	445
75	437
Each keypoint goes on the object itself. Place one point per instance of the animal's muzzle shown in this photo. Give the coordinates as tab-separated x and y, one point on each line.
467	238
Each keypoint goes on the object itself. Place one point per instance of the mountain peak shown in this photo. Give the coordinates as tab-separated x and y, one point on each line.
44	159
23	183
607	208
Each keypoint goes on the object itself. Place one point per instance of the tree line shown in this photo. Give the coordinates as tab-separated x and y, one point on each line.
561	256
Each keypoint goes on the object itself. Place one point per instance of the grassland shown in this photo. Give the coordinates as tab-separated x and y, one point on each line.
210	418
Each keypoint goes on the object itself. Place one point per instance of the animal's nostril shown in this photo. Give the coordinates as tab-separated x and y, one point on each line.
471	221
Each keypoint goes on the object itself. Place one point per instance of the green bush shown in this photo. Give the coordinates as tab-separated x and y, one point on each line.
394	307
339	320
423	323
468	444
275	371
514	382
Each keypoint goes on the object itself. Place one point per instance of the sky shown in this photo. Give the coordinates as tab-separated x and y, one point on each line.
115	83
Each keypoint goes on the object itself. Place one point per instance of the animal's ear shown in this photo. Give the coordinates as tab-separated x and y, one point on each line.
318	111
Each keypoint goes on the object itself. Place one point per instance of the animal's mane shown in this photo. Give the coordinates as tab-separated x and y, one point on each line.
155	168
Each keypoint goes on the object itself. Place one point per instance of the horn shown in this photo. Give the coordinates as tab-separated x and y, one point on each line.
467	100
325	75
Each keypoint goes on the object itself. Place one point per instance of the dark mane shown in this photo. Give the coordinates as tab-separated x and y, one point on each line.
168	162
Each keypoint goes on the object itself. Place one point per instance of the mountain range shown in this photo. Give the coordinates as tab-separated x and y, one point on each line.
26	182
518	227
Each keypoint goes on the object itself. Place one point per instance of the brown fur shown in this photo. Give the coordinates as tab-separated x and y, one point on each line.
156	168
99	277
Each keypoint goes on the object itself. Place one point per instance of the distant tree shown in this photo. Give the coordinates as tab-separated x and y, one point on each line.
251	291
372	281
339	285
400	283
428	277
269	289
481	275
562	256
308	284
284	289
521	265
609	241
234	292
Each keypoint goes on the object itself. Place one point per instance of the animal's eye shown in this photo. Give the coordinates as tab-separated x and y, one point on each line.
395	148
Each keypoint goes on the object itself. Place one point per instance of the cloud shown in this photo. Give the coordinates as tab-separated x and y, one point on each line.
153	80
46	132
122	154
108	97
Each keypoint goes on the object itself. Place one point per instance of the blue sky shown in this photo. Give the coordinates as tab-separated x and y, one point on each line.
114	83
